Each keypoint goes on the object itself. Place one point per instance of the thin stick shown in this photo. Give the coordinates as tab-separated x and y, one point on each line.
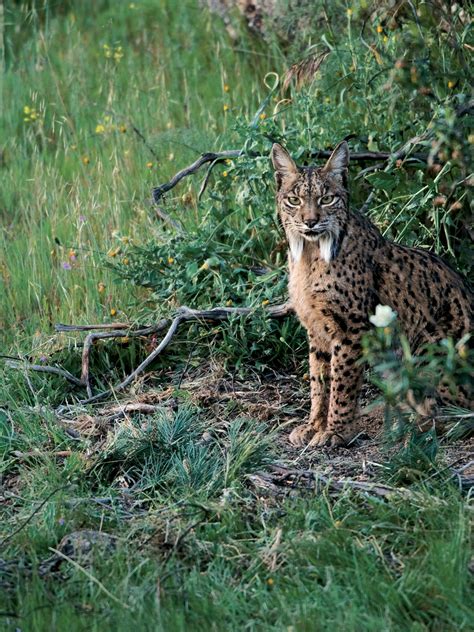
89	576
39	368
214	157
60	327
185	314
91	338
32	515
206	179
144	140
159	191
282	478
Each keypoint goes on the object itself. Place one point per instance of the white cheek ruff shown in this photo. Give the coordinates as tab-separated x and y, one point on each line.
325	247
296	244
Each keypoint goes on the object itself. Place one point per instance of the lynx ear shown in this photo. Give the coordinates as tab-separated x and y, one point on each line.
283	162
339	160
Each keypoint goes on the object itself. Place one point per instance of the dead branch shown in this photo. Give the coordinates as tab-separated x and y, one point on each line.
59	327
14	364
281	481
36	454
159	191
215	157
33	513
184	314
119	333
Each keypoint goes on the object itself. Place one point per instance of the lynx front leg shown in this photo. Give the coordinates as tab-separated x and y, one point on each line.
346	378
319	377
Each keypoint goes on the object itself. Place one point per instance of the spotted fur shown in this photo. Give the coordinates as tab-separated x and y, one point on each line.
340	268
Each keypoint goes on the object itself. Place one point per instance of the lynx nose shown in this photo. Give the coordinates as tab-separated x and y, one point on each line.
311	223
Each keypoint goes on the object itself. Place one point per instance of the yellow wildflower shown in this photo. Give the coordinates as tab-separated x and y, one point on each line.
349	12
126	261
385	39
118	54
122	129
101	287
226	107
228	303
26	109
265	302
113	311
226	87
270	581
86	160
187	198
451	84
228	161
338	524
205	266
380	29
99	129
170	260
113	252
149	165
306	377
263	116
225	174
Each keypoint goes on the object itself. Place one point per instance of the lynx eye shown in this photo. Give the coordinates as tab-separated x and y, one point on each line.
293	200
327	199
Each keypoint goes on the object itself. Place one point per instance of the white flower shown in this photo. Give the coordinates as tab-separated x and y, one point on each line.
384	315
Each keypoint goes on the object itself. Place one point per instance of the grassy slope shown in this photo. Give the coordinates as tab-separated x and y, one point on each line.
306	564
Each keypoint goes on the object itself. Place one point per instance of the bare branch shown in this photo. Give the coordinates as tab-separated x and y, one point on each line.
39	368
60	327
159	191
281	480
215	157
185	314
119	333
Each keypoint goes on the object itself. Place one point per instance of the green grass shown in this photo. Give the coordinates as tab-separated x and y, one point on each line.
80	243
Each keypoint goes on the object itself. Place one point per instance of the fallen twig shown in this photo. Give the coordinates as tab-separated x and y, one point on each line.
40	368
60	327
35	454
33	513
184	314
282	480
91	338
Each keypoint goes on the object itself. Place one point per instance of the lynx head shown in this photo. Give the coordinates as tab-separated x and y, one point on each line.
312	202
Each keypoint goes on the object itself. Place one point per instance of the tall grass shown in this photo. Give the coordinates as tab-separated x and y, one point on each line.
101	101
77	178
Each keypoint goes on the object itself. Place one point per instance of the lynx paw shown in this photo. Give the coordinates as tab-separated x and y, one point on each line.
327	438
301	435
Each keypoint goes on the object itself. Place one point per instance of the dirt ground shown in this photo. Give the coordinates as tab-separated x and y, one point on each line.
280	401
